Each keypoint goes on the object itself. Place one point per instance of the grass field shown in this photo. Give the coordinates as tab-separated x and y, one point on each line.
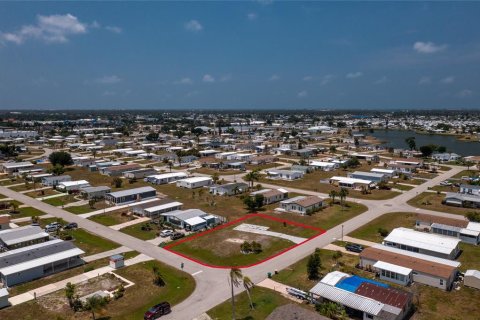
468	173
59	201
42	193
433	201
221	247
26	212
219	172
264	301
401	187
388	221
137	232
132	305
110	218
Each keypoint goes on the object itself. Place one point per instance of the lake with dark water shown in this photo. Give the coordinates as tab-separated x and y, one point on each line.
396	139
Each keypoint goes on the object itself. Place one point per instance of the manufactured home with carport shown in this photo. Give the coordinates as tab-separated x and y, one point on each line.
22	237
165	178
194	182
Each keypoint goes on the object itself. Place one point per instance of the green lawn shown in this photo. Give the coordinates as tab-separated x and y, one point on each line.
222	247
468	173
137	232
91	243
433	201
264	300
401	187
59	201
387	221
469	257
110	218
27	212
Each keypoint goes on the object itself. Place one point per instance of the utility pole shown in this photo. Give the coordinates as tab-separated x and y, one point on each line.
342	232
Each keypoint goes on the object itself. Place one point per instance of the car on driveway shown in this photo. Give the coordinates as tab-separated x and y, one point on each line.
445	183
52	227
157	311
177	235
166	233
71	225
353	247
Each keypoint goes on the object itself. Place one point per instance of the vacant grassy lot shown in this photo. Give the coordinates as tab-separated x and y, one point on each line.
132	305
97	179
60	201
222	247
467	173
469	257
42	193
91	243
137	232
388	221
445	188
25	212
401	187
311	181
111	218
264	301
7	182
261	166
23	187
433	201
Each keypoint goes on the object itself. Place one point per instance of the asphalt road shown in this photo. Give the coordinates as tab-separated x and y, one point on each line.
212	283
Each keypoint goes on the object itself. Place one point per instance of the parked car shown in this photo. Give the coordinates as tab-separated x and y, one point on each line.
177	235
71	225
54	225
51	228
157	311
166	233
445	183
353	247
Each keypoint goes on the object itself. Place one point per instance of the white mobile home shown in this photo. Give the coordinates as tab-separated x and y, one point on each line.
67	186
194	182
284	174
55	180
165	178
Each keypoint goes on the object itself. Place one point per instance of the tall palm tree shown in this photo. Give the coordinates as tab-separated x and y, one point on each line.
333	194
235	279
253	175
248	285
343	195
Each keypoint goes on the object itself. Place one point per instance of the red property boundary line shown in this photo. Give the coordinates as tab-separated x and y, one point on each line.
248	216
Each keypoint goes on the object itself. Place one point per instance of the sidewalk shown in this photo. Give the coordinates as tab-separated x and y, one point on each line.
106	254
52	196
359	241
26	219
114	208
129	223
278	287
333	247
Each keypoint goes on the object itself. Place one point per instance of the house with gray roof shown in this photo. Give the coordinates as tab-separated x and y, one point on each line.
21	237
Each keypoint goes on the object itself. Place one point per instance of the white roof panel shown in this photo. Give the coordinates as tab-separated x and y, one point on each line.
392	267
195	221
422	240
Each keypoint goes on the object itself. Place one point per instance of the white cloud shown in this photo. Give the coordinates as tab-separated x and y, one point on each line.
113	79
354	75
226	78
302	94
307	78
428	47
382	80
51	29
208	78
465	93
193	26
425	80
252	16
448	80
274	77
185	80
114	29
326	79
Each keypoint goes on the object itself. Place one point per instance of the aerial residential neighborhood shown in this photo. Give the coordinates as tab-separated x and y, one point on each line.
278	160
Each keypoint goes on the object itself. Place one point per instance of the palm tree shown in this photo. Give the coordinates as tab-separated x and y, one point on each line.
252	176
248	285
235	278
95	303
343	195
332	195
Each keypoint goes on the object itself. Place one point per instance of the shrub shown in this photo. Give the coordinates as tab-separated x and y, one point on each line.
383	232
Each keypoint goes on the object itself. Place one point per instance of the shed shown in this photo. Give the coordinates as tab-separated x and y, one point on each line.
4	298
117	261
472	279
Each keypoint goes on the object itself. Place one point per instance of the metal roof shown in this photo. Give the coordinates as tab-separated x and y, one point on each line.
350	180
167	175
21	234
392	267
422	240
130	192
163	206
348	299
195	179
195	221
332	278
185	214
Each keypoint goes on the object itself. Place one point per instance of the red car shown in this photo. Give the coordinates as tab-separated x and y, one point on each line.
157	311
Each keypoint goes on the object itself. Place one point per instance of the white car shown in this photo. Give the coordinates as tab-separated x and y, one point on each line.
445	183
166	233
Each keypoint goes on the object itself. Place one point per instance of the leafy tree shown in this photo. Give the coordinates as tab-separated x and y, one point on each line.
442	149
353	162
91	203
383	232
337	255
94	304
152	136
236	277
62	158
246	247
426	151
332	310
313	264
254	203
70	293
333	149
411	142
117	182
8	150
57	170
473	216
256	247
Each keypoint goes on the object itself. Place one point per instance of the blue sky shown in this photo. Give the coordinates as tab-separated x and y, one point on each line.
239	55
